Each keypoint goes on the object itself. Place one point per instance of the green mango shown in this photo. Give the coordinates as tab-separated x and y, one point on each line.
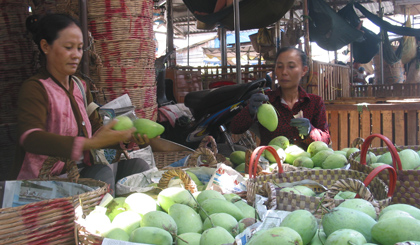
346	218
123	123
215	205
345	236
209	194
413	211
281	141
151	235
303	222
320	157
224	220
189	238
247	210
316	147
160	220
277	235
216	235
361	205
397	229
334	161
237	157
186	218
150	128
267	117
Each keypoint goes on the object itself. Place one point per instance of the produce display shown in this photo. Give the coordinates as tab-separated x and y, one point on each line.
208	217
175	215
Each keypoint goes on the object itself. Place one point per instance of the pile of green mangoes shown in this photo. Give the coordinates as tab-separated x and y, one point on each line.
317	156
176	215
354	221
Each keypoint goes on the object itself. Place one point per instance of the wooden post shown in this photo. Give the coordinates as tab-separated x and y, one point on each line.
83	21
306	24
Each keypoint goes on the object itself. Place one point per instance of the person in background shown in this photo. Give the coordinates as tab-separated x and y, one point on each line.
53	123
301	116
360	77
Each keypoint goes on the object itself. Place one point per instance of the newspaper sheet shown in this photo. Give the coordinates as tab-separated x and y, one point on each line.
17	193
118	107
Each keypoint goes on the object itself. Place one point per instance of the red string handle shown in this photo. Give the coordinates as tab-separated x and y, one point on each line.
396	161
255	156
392	178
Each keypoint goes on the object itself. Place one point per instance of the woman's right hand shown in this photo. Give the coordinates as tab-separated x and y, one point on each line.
106	136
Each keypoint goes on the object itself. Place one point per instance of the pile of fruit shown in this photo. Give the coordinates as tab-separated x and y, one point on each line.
410	159
352	222
206	217
317	156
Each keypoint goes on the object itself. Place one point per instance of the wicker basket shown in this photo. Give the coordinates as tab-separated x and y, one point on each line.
289	202
50	221
407	189
164	159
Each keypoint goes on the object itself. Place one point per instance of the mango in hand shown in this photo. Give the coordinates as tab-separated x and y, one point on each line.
267	116
150	128
123	123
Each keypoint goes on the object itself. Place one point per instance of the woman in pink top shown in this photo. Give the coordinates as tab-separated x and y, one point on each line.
52	118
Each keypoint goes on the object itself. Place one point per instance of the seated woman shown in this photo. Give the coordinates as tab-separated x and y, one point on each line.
290	100
53	124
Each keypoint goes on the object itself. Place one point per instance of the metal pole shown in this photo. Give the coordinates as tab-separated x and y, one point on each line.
170	30
223	46
83	21
381	52
188	38
237	41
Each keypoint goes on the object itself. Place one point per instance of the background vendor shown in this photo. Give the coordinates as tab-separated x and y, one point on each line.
302	117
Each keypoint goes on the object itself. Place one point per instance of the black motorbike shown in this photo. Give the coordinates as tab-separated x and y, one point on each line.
212	111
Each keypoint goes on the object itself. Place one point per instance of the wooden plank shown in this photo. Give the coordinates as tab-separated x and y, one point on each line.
333	123
365	126
343	141
418	126
372	107
399	127
376	127
387	125
354	126
412	128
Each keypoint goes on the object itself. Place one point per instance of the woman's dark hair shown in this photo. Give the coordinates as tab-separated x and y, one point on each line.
47	27
302	54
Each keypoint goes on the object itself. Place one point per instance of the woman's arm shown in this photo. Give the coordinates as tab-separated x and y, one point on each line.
241	122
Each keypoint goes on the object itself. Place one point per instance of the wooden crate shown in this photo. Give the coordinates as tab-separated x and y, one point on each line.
399	121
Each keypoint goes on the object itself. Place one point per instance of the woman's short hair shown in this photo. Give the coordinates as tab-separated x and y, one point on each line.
48	26
302	54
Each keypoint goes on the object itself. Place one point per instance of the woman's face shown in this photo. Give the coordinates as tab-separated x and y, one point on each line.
65	53
289	69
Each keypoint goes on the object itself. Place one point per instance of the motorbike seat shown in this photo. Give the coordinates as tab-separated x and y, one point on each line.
212	100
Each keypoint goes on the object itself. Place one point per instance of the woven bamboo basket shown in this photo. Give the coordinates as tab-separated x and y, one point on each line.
407	189
99	8
287	201
49	221
140	47
163	159
122	27
129	63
